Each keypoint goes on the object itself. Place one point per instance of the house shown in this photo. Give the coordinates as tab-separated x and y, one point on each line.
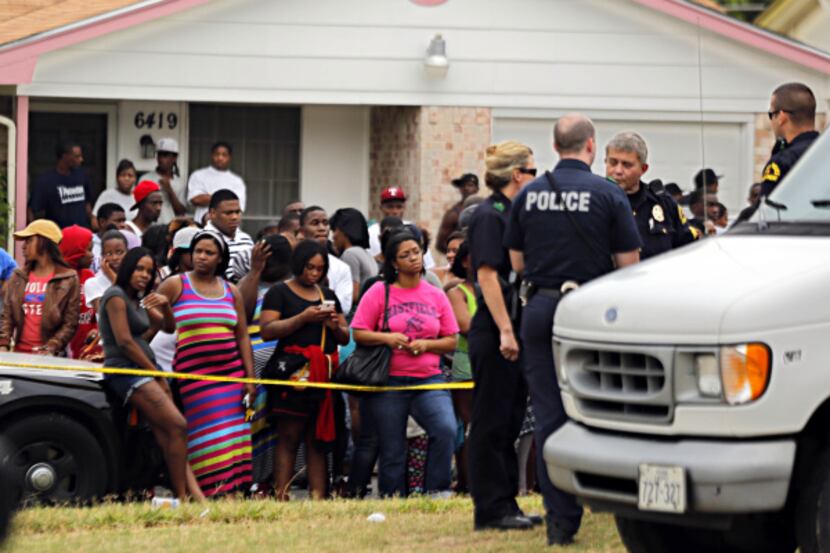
806	21
330	100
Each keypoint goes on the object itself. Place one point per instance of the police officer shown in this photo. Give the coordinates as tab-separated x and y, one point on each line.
792	116
566	228
660	221
500	394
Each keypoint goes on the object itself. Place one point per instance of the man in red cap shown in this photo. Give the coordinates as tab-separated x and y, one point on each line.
392	204
148	202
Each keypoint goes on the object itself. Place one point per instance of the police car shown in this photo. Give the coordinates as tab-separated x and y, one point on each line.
63	439
698	384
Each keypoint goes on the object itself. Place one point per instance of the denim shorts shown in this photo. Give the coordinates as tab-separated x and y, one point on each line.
123	386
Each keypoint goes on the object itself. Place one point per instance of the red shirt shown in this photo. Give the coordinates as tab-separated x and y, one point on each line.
33	299
87	325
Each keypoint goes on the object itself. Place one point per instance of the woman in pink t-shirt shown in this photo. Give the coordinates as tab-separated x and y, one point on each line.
422	328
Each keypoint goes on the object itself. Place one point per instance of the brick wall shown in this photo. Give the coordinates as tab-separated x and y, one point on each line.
422	149
453	143
394	153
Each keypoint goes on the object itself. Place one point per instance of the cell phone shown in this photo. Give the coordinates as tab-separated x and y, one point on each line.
328	304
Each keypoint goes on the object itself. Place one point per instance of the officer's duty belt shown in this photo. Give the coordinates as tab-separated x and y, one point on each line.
553	293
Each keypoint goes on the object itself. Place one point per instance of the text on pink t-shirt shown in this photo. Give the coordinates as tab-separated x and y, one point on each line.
422	313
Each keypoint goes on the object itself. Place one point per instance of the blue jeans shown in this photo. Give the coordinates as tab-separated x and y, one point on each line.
433	411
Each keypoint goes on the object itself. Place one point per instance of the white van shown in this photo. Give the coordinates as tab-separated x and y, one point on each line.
698	384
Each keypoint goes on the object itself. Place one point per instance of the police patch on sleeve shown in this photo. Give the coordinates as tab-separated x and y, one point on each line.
657	213
772	172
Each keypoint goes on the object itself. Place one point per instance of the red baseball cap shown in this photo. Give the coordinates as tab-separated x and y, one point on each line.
392	193
144	189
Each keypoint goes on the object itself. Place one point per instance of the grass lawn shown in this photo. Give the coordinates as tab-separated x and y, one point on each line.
252	526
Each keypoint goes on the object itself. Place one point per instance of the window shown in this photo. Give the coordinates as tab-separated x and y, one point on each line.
266	153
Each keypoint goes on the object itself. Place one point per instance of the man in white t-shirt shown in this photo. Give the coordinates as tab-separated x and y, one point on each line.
392	204
314	225
218	176
166	175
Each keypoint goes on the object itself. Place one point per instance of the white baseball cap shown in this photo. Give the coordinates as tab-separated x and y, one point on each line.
182	239
167	145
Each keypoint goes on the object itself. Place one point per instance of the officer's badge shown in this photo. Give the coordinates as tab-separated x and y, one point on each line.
657	213
772	172
498	206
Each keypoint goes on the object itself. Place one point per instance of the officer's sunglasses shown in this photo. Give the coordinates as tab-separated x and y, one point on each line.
528	171
772	114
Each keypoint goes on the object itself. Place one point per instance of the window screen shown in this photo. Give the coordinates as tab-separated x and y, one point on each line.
266	153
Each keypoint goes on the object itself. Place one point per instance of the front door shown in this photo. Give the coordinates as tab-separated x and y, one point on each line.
47	130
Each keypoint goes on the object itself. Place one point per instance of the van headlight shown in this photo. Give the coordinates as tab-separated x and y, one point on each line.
708	375
559	363
745	370
740	373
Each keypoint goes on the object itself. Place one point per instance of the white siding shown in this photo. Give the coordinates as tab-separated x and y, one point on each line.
675	153
334	157
569	54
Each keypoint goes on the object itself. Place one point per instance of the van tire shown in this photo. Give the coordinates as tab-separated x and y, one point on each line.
56	447
640	536
812	513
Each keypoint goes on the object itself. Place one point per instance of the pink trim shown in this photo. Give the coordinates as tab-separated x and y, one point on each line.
21	118
33	49
741	32
18	72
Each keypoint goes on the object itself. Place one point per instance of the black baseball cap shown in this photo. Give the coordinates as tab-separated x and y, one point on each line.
707	176
672	188
465	178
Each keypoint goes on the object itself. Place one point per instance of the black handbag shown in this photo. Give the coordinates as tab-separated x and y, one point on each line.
368	365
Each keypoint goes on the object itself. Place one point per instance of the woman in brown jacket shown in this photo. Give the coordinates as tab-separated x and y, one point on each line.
40	313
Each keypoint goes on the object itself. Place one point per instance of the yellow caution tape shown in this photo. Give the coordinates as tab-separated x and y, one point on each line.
233	379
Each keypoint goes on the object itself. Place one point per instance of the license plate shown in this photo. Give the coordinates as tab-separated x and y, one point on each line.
662	489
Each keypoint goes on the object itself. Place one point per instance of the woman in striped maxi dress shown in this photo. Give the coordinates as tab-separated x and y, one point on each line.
212	339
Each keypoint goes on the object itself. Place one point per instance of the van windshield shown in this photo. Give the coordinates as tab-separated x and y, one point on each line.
804	195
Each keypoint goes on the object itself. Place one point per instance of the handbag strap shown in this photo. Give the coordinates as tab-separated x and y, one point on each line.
323	337
385	326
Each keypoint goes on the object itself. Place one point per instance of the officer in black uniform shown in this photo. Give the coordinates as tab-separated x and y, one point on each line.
660	221
565	228
792	115
500	394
